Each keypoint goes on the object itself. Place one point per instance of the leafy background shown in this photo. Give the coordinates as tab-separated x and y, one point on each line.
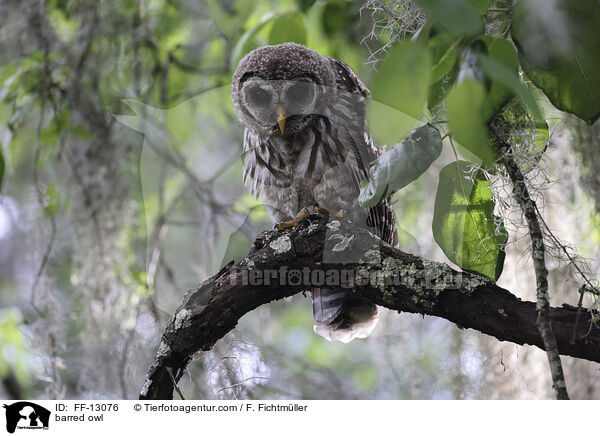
121	188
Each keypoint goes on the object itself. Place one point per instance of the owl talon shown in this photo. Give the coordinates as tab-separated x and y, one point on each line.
305	212
290	224
319	209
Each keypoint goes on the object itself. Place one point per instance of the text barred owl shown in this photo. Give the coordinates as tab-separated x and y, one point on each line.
306	143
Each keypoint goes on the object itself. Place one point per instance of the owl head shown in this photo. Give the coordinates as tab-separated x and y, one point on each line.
280	89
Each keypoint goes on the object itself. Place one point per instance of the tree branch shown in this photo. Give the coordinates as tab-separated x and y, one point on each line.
387	276
529	208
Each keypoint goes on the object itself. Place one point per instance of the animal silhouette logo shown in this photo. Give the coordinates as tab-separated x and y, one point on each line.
26	415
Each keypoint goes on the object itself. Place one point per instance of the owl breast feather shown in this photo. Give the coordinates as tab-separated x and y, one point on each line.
291	173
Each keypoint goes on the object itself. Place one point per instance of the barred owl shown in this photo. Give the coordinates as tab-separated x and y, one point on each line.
306	144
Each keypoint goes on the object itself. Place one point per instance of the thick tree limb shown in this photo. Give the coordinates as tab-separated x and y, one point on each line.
387	276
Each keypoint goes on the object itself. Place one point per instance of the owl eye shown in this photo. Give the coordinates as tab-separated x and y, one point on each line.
259	97
299	93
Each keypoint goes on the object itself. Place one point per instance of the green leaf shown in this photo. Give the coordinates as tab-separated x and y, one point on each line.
464	224
464	109
439	90
51	133
558	46
456	16
509	82
421	36
289	27
443	51
401	165
49	136
399	91
386	124
502	51
402	78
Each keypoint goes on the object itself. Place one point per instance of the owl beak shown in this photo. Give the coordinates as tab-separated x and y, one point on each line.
281	117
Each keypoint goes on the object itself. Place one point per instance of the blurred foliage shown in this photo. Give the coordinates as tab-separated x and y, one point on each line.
120	176
564	66
13	349
459	17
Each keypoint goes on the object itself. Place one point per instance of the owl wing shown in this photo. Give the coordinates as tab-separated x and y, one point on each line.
355	93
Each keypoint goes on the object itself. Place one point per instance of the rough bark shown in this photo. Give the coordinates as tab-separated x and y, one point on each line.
388	276
528	206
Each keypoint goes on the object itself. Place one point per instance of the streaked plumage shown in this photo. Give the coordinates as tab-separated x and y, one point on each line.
320	156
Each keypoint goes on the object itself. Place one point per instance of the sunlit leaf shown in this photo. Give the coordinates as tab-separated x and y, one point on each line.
402	164
464	224
558	46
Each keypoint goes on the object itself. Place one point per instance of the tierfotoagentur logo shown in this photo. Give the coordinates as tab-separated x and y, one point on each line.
344	278
24	415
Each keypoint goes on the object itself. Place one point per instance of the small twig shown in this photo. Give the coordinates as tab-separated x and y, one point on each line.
183	66
590	287
579	305
169	371
242	382
36	181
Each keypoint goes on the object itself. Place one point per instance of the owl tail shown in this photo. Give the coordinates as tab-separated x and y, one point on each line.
342	316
